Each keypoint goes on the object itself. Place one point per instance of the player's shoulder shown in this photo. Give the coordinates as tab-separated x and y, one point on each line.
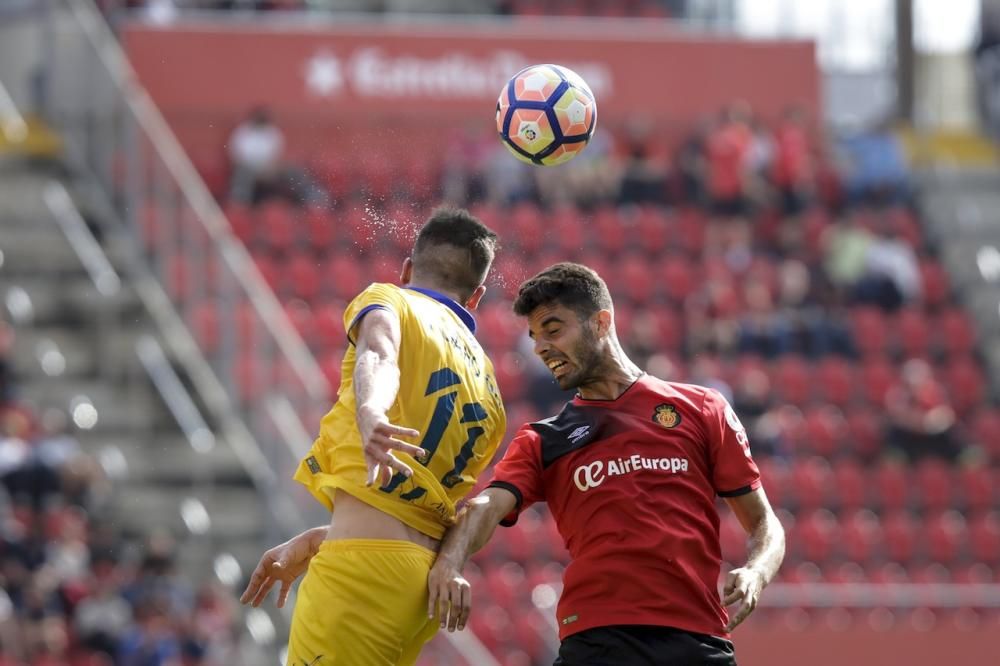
695	392
380	293
697	396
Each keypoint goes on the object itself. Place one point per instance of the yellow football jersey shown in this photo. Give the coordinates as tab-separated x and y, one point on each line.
447	392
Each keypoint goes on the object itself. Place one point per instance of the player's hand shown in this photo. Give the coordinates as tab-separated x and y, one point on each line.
449	595
282	564
743	585
379	439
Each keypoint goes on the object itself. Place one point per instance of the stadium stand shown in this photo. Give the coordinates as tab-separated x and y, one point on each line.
698	289
819	297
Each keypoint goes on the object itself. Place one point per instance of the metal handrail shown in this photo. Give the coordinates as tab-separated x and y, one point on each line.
209	214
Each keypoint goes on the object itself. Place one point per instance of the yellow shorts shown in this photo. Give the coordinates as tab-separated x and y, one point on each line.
363	602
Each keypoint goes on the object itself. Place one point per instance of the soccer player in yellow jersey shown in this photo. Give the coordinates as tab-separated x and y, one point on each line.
413	370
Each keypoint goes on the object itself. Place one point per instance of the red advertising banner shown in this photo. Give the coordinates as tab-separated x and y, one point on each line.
421	76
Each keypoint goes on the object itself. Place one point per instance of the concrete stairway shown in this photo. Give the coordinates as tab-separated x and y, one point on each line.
74	341
962	210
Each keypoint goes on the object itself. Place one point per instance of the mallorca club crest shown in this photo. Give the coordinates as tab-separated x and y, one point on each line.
667	416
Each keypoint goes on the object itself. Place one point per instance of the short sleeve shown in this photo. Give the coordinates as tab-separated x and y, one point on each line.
520	472
377	296
734	471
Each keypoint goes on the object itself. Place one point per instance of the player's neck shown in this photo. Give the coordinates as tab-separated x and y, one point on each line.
444	291
616	374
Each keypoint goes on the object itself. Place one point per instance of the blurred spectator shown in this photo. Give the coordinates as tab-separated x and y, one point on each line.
690	159
921	420
101	619
891	273
762	330
256	149
986	54
876	170
811	328
845	246
644	175
792	169
728	149
6	344
158	579
258	167
153	641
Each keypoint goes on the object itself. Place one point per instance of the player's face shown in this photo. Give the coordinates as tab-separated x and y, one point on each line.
568	347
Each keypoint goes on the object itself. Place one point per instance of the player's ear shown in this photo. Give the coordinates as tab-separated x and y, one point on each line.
406	273
477	295
603	320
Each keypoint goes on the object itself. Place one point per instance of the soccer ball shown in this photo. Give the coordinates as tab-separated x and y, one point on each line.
546	114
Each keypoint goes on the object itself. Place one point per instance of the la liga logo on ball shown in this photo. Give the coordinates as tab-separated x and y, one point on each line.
546	114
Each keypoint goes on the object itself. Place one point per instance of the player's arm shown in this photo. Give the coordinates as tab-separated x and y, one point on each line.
767	550
376	385
449	593
283	563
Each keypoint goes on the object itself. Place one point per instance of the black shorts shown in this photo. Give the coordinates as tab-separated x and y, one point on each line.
635	645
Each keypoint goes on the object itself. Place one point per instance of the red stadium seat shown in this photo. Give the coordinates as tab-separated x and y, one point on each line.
966	385
866	431
505	583
820	535
946	535
321	227
569	233
242	221
301	316
892	483
651	231
278	225
492	624
877	377
776	479
179	277
862	536
870	330
269	269
303	276
792	379
901	536
636	280
956	332
851	483
328	320
985	430
528	228
978	486
835	380
913	333
888	572
902	222
935	485
689	230
342	276
205	324
984	538
813	482
976	573
610	230
936	287
677	276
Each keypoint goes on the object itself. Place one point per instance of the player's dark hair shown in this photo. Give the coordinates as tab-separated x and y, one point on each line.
454	249
571	285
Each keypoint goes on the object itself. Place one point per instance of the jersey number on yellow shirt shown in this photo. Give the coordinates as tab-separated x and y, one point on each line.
444	409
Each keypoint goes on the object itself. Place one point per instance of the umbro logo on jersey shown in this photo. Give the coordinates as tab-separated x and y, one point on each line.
594	474
579	434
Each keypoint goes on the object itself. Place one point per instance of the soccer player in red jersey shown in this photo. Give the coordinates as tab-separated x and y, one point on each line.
630	469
